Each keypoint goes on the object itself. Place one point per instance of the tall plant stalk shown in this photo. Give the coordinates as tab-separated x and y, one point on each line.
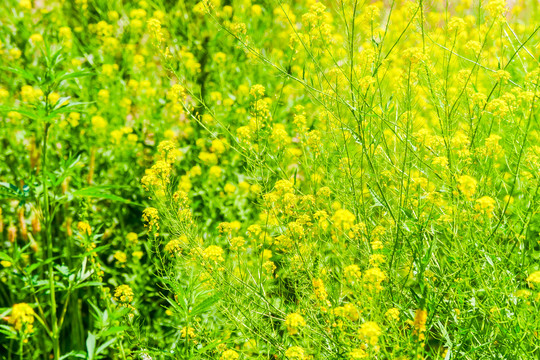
49	241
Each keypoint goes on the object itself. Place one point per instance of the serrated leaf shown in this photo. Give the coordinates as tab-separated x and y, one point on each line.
62	269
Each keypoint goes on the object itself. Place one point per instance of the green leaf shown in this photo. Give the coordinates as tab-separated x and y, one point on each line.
212	345
106	345
6	257
30	268
23	73
63	101
100	192
113	330
74	354
69	107
90	345
205	305
29	114
62	269
74	75
88	283
10	189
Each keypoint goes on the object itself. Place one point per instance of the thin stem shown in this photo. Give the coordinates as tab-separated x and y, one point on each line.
49	242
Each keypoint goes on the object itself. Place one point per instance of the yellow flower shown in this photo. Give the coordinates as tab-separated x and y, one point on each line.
392	314
123	294
151	217
220	57
103	96
294	322
370	332
319	289
15	53
177	93
269	266
420	319
257	91
73	118
154	28
22	317
351	312
120	256
229	188
496	9
467	185
534	279
218	146
358	354
352	272
29	94
25	4
324	192
492	146
36	38
214	253
215	172
132	238
376	260
229	355
343	219
295	353
486	205
84	228
189	332
98	122
174	247
108	70
53	98
373	278
237	242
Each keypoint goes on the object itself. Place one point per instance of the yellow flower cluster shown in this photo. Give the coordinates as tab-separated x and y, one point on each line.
296	353
123	294
370	332
150	217
22	317
213	253
294	322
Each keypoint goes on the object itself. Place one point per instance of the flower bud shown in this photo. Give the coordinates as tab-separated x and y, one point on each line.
12	233
22	223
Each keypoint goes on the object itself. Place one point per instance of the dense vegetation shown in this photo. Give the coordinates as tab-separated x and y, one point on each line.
245	179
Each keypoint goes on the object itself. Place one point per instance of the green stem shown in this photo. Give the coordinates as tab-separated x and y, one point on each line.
49	243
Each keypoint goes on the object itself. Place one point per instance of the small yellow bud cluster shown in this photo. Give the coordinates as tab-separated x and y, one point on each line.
22	317
124	295
294	322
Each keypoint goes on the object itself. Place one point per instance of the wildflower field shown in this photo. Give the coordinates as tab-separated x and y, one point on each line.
269	179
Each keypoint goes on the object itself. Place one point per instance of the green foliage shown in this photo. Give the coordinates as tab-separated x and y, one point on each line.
269	180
